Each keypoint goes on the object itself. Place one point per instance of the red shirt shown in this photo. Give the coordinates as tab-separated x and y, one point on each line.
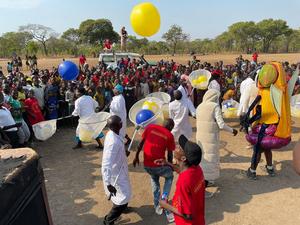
158	139
254	57
168	76
126	80
189	196
107	45
96	79
82	60
32	106
126	62
174	68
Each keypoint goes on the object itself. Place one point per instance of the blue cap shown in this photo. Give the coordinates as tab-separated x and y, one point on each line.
119	88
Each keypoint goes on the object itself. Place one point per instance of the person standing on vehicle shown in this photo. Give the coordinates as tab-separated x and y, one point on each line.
124	36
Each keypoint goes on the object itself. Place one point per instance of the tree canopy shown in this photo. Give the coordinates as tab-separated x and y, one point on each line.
174	36
269	36
40	33
95	31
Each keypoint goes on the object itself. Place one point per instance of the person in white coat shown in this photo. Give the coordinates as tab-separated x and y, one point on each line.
118	107
85	106
209	124
248	91
179	111
184	88
115	171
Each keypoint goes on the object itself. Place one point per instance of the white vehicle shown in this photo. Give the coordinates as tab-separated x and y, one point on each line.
111	59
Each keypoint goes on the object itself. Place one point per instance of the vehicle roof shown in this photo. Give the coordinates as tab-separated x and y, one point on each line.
120	53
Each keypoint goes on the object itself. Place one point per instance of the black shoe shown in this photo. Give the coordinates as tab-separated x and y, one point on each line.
107	223
111	223
271	172
99	147
251	175
78	146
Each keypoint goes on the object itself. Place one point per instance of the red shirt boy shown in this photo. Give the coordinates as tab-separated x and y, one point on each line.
157	139
189	201
189	196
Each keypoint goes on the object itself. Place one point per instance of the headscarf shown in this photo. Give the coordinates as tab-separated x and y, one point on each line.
119	88
211	95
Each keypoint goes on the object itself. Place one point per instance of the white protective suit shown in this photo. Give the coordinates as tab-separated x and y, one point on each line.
118	108
114	164
179	112
85	106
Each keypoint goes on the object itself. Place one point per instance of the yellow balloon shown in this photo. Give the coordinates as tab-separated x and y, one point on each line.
202	79
145	19
232	109
150	105
195	82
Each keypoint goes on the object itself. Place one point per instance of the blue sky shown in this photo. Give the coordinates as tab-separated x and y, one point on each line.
199	18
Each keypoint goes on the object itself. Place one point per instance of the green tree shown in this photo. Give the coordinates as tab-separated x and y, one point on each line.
294	45
32	48
60	46
269	30
40	33
244	34
288	37
154	48
135	44
175	35
71	35
14	42
224	42
93	31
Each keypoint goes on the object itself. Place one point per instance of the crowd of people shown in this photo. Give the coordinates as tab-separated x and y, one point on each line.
29	98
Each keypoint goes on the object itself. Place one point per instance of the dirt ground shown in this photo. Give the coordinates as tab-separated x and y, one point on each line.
226	58
76	195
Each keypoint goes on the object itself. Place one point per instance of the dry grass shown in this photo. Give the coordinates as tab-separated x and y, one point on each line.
226	58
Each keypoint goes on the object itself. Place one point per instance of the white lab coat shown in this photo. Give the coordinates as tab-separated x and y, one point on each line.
186	98
248	91
85	106
179	112
114	164
118	107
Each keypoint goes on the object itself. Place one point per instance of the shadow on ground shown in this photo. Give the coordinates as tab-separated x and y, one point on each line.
67	186
240	190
